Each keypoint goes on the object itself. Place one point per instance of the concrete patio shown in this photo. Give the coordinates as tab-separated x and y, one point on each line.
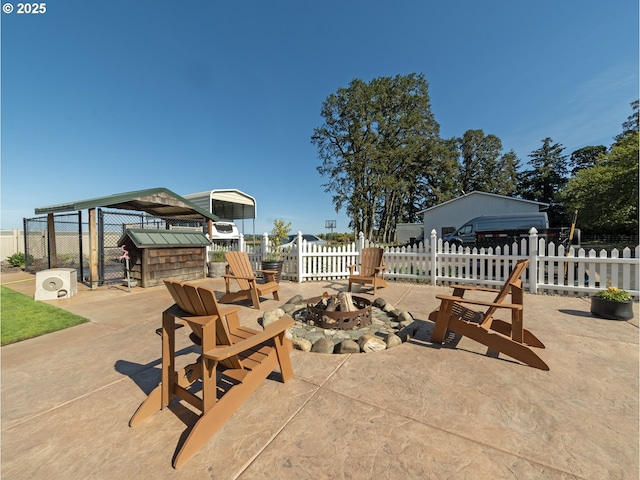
416	411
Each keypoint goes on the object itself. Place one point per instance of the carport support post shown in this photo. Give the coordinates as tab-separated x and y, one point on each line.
210	230
93	250
51	234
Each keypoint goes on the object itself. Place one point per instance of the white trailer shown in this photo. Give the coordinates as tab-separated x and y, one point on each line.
229	205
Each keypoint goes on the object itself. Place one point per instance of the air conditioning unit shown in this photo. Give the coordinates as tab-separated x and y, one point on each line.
56	283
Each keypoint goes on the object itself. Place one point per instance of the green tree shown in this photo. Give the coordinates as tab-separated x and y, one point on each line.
510	164
280	231
479	167
377	143
546	178
606	194
586	157
483	167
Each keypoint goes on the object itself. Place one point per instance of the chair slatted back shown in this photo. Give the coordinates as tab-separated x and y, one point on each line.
513	281
240	266
200	301
223	335
177	293
370	259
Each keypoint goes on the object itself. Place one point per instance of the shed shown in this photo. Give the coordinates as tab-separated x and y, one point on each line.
158	254
447	216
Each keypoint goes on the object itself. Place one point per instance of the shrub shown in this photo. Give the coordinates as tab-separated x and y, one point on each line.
16	260
614	294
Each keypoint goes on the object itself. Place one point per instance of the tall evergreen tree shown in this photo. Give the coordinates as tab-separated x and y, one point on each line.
546	178
483	167
509	164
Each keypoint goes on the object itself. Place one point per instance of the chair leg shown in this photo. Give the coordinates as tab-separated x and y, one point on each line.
504	328
284	360
213	419
255	298
442	319
498	342
151	405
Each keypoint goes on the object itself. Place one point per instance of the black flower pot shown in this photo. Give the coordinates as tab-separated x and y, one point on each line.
273	265
611	310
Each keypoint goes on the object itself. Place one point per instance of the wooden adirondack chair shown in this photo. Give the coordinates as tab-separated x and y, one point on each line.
234	358
512	339
371	269
239	269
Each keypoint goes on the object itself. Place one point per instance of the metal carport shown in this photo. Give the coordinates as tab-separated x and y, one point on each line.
159	202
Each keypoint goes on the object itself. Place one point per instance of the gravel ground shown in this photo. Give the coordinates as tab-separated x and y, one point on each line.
6	268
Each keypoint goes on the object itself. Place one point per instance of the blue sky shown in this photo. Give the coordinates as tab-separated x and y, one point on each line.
101	98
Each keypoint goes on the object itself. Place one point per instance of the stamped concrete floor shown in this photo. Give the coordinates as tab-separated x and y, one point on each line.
416	411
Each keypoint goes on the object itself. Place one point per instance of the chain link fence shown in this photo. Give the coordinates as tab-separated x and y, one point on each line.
72	241
68	242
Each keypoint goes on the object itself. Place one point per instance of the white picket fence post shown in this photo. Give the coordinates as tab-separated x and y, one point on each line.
533	260
301	266
434	259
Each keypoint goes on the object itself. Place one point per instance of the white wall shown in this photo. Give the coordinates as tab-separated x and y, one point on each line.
457	212
405	231
11	241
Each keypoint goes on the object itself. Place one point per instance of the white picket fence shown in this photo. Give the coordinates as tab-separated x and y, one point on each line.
551	269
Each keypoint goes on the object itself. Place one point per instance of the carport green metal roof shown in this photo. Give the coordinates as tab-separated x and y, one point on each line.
159	202
148	238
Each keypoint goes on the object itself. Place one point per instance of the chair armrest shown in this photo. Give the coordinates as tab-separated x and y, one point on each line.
272	330
272	272
451	298
225	310
474	288
237	276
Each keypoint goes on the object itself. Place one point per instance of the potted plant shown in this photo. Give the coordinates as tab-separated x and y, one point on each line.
272	260
613	304
216	264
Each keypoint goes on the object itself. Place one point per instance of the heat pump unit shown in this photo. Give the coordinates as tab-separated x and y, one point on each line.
56	283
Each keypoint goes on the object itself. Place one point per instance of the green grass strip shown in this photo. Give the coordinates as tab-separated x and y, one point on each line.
21	317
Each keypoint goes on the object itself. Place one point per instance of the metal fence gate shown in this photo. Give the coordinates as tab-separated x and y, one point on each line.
68	228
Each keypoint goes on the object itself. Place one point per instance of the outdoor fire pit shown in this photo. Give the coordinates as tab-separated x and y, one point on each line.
320	311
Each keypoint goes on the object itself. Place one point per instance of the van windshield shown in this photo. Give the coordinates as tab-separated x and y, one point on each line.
464	230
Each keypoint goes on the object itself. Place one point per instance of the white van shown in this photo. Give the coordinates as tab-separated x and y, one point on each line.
466	235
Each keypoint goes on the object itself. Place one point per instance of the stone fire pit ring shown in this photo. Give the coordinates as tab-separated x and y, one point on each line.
337	319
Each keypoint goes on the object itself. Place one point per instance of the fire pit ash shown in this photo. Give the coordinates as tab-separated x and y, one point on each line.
341	311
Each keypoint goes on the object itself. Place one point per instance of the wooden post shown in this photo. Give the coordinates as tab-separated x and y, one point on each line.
51	235
93	250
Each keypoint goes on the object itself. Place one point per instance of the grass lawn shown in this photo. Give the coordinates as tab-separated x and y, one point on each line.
21	317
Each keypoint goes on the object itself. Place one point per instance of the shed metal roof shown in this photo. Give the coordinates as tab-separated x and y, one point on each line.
477	193
228	204
159	202
148	238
